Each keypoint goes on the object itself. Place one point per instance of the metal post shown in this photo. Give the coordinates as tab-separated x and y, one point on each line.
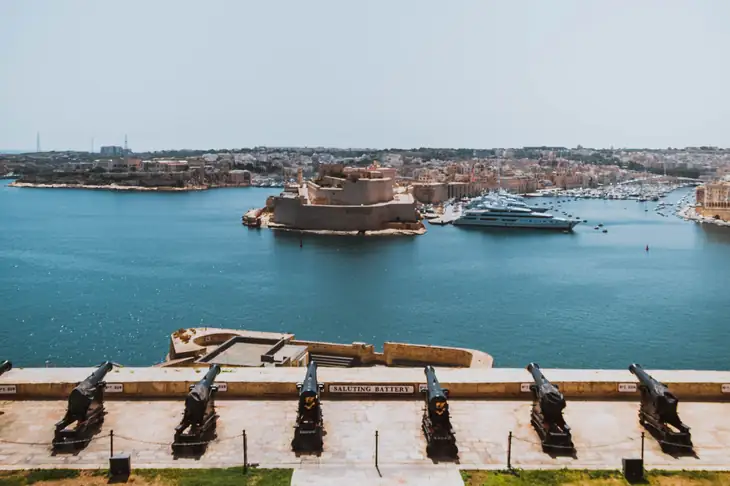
509	451
642	447
376	454
111	443
245	453
376	449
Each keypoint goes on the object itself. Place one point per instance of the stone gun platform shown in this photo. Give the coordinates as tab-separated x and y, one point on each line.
604	432
358	383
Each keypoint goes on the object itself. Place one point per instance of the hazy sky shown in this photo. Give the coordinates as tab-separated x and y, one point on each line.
481	73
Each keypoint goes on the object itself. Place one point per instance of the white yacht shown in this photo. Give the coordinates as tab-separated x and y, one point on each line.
508	216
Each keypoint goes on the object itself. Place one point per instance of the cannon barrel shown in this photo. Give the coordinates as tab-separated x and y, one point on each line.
655	387
5	366
83	394
664	401
551	399
197	400
199	392
99	374
644	377
209	377
433	386
537	375
310	385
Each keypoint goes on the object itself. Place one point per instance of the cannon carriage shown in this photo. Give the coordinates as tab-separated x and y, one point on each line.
547	414
658	413
309	427
85	411
436	424
199	418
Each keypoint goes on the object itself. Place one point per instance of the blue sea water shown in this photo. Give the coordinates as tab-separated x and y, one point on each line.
92	275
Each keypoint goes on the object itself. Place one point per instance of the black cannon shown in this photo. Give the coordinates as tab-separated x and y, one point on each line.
658	413
5	366
440	438
85	410
199	419
309	429
547	414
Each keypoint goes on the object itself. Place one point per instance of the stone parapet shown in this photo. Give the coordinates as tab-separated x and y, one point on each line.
344	383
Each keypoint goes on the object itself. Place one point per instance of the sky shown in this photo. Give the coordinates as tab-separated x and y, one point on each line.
376	73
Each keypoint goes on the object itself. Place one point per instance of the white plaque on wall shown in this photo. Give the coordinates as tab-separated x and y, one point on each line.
627	387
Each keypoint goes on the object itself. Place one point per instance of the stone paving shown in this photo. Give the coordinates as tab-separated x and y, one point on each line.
409	475
604	432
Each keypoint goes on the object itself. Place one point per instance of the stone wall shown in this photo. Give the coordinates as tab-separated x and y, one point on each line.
394	353
292	213
430	193
349	192
435	355
718	213
484	383
363	352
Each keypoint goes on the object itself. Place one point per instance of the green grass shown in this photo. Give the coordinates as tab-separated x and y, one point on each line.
219	477
543	477
596	478
173	477
32	476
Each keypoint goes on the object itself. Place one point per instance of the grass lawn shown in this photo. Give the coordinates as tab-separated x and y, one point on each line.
150	477
591	478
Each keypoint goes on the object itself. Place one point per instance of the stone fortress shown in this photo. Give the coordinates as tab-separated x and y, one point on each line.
346	199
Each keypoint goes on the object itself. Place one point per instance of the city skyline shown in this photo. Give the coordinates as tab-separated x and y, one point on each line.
482	75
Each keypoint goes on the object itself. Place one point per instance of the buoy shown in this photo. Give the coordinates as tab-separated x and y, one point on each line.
647	247
301	242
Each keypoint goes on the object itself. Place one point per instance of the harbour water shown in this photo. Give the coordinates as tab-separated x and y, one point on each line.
92	275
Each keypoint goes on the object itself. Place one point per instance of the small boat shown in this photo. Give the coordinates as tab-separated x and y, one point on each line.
605	231
600	225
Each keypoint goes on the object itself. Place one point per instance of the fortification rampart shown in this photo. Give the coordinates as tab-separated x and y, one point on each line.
402	383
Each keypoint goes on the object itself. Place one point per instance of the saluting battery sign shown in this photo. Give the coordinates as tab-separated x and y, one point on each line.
376	389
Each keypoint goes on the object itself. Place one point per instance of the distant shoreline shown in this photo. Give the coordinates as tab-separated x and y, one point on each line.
115	187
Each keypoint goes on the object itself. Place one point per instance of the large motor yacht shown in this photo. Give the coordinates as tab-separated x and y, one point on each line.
505	215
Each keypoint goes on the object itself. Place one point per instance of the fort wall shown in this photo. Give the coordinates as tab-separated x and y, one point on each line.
291	212
475	383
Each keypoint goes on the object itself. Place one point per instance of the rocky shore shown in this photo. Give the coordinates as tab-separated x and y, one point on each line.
267	223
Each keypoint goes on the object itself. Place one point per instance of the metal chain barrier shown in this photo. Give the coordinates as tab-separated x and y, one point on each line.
217	439
46	444
597	446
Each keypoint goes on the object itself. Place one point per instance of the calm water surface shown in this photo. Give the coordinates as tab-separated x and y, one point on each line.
92	275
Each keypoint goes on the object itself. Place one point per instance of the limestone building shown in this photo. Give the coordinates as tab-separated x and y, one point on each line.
713	200
346	199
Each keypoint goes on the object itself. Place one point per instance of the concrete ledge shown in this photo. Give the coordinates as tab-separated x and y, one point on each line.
481	383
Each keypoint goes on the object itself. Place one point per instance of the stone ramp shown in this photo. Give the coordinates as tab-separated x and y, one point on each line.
349	476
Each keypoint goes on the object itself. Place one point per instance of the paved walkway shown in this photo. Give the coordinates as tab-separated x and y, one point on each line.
604	433
416	476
